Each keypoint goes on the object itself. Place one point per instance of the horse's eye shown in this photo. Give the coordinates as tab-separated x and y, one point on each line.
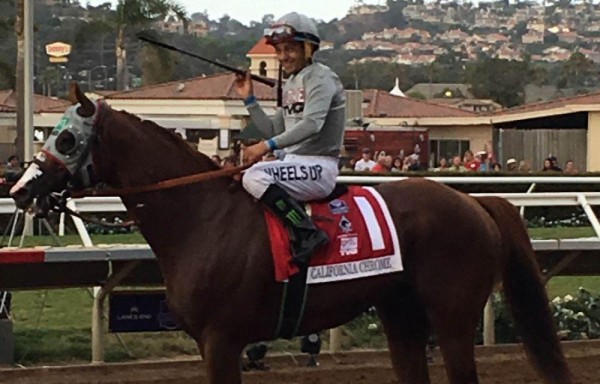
66	143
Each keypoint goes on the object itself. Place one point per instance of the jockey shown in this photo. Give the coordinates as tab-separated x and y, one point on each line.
308	127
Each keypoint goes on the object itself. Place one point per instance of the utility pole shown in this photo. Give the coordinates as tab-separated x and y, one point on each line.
24	31
29	107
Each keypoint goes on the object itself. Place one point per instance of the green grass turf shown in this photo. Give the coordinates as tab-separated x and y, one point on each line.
53	326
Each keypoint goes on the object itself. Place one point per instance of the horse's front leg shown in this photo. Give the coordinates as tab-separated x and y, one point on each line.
222	357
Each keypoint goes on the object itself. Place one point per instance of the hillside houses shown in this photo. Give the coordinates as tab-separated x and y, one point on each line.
177	26
367	9
532	37
493	30
488	30
398	34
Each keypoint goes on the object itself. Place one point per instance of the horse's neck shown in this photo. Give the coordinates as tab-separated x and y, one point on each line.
142	160
170	218
173	219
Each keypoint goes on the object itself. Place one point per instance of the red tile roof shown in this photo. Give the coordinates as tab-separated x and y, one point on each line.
8	100
382	104
262	48
104	93
590	98
6	108
216	87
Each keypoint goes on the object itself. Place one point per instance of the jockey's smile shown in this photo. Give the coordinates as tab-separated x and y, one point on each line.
291	56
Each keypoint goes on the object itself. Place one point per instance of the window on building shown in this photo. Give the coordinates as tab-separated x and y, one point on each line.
262	68
447	149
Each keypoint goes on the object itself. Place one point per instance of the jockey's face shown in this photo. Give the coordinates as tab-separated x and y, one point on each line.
291	56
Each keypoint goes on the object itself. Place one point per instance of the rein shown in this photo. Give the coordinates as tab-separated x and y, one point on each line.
59	202
165	184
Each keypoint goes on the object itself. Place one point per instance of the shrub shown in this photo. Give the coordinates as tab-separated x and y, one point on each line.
577	317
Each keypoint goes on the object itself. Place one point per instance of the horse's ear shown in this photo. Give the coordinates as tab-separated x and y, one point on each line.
86	107
72	97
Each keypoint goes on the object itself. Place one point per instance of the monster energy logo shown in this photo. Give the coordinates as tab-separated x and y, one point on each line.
280	204
294	217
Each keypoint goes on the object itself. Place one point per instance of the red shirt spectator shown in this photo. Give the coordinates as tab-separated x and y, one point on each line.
472	165
469	161
379	168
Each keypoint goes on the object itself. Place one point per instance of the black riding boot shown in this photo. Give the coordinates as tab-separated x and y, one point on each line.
306	238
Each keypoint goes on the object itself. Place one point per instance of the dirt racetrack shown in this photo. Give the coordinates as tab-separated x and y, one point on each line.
498	364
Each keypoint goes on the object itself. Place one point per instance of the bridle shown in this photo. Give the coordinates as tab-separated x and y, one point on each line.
57	201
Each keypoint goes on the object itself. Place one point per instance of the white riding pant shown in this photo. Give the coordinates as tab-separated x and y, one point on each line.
305	178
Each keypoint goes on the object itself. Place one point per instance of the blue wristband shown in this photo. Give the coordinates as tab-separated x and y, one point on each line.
250	100
272	144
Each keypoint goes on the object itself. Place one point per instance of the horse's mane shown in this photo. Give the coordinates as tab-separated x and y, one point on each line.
149	126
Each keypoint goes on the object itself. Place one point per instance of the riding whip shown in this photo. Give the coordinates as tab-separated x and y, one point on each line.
280	87
260	79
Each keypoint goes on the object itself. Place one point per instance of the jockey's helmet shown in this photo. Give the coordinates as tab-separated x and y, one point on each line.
293	26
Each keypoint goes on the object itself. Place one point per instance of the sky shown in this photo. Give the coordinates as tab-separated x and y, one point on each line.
246	11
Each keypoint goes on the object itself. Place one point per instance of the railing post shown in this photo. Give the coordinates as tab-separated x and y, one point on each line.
522	210
100	294
489	333
335	339
98	327
83	233
581	199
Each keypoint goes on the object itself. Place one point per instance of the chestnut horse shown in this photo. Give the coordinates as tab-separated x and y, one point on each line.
211	243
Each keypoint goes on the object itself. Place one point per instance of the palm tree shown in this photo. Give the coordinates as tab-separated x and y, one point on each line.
20	34
138	13
7	76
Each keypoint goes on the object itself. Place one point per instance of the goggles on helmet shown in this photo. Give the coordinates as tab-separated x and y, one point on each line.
279	33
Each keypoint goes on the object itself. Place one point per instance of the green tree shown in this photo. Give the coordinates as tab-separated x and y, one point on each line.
394	18
550	38
417	95
158	65
50	79
7	74
577	71
497	79
133	14
539	75
520	29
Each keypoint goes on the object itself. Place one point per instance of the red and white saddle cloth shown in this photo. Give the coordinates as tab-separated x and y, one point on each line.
363	239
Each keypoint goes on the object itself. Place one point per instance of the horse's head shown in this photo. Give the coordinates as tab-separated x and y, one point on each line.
65	157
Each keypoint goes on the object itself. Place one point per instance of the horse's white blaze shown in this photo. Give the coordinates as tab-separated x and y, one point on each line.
32	172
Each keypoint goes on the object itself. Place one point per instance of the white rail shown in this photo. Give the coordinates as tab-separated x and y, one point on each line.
364	180
536	199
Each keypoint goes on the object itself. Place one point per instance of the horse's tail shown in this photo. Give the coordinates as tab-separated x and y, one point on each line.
526	294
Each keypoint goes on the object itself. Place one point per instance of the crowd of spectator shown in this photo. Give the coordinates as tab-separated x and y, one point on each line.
482	161
10	171
382	162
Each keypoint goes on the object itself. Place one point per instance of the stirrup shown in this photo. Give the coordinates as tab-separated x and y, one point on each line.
301	253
